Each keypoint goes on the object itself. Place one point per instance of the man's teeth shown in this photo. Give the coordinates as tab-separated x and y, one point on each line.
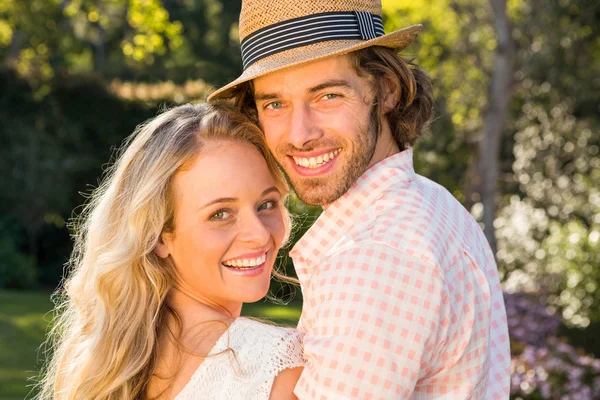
246	262
313	162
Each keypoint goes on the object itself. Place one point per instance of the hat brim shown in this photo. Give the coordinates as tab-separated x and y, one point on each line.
397	40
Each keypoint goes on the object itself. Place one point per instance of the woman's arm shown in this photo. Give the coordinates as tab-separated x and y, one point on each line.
284	384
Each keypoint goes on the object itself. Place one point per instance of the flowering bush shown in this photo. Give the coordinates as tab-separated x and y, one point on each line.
543	366
529	321
554	371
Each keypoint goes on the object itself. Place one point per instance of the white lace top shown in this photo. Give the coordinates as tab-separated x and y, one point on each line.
260	352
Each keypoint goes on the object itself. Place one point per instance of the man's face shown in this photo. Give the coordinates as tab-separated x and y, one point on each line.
320	124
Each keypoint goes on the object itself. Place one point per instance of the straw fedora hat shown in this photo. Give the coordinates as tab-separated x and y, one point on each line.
278	34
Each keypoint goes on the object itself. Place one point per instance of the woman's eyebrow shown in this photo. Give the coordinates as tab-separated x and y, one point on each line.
269	190
219	200
234	199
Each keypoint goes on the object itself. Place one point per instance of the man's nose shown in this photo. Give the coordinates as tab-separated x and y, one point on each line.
303	129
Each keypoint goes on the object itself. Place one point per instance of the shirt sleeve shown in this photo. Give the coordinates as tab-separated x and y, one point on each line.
287	352
460	365
385	324
274	350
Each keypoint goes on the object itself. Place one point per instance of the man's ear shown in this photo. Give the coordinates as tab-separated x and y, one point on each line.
391	93
162	247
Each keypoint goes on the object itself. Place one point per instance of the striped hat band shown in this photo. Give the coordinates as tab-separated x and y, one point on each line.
310	29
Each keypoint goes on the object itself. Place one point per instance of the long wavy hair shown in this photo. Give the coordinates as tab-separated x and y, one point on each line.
111	307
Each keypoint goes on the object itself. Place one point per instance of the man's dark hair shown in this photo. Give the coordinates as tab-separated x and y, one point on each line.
412	112
382	66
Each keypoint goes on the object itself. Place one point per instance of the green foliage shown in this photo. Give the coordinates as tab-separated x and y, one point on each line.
142	39
549	227
456	49
54	150
161	92
151	21
17	269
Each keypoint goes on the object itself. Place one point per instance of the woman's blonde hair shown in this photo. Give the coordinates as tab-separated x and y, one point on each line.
111	307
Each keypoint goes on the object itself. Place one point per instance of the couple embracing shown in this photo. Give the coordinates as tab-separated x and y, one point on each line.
401	294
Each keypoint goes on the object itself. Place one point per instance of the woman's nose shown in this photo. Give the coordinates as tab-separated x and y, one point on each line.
253	230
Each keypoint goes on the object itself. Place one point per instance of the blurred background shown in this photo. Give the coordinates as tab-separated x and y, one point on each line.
515	139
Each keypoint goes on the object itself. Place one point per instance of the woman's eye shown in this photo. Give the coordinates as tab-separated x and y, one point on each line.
267	205
220	215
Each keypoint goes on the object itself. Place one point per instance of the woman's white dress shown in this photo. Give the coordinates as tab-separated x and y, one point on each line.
257	353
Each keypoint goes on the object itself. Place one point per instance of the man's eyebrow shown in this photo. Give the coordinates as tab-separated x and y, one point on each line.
329	84
265	96
258	96
234	199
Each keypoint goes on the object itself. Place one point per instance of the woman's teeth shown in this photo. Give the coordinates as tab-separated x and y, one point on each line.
246	263
316	162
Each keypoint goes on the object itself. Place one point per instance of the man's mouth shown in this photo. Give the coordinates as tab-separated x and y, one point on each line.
315	162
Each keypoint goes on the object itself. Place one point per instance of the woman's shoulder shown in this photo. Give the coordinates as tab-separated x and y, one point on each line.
262	330
245	361
272	348
246	333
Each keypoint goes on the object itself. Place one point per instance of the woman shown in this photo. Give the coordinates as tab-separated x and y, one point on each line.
184	229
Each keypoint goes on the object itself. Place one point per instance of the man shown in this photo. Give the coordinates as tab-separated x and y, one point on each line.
401	291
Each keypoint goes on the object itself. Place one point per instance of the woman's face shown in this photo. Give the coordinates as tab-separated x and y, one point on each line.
228	225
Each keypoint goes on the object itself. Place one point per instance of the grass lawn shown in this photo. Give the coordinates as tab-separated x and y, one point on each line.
22	328
23	320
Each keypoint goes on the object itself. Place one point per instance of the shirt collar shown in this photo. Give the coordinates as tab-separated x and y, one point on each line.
337	219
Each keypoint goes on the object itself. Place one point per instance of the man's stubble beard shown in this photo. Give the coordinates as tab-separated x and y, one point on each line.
320	191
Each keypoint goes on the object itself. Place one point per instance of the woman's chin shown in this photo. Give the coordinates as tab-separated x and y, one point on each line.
252	295
256	295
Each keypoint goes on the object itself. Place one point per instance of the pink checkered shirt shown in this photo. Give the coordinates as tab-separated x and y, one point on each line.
401	295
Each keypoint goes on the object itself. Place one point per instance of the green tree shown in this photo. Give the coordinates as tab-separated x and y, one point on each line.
112	38
53	151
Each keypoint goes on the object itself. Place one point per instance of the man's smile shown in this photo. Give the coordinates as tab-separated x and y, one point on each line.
315	161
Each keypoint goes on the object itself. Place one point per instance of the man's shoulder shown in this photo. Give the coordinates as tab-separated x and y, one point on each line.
370	267
419	196
419	218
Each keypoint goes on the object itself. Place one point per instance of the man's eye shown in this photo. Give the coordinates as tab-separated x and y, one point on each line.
220	215
274	105
267	205
330	96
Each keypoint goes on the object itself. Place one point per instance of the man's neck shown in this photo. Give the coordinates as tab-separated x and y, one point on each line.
386	147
